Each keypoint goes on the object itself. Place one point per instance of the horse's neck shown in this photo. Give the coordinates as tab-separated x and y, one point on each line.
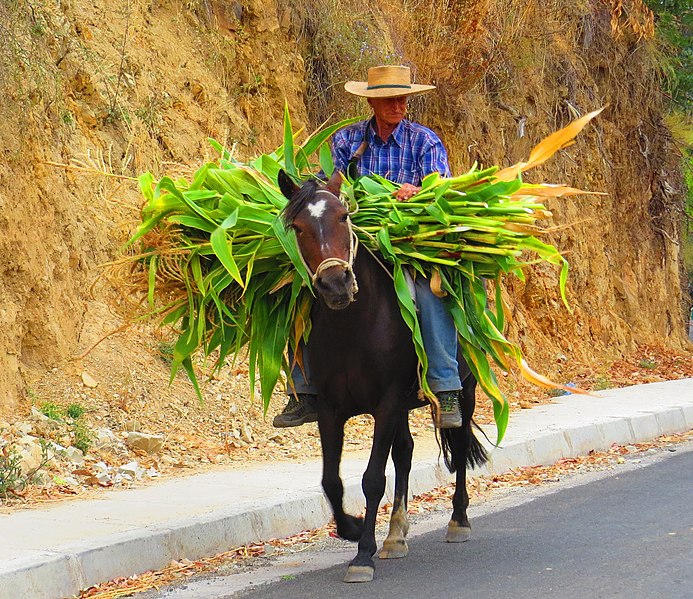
373	277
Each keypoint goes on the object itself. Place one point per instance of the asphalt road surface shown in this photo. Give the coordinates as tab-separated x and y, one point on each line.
624	533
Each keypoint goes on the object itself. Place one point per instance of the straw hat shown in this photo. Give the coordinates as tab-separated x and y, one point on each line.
387	82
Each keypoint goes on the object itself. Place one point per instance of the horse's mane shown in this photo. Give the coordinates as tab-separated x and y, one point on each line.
298	202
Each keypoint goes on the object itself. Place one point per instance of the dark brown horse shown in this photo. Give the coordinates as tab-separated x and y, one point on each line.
363	362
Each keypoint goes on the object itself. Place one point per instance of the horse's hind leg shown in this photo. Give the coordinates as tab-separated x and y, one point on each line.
466	451
332	440
395	545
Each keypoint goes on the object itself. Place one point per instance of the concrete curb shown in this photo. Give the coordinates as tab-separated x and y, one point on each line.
52	553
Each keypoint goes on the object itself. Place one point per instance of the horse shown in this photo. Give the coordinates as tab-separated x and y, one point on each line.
363	361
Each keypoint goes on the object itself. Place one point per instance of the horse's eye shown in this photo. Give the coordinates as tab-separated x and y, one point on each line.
297	229
344	218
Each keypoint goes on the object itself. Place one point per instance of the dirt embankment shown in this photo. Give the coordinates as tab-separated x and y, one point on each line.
95	93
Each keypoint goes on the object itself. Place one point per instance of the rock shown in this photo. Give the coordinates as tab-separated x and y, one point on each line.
41	479
24	428
56	449
131	469
41	425
89	381
132	426
30	453
75	455
101	468
102	473
38	415
247	434
145	442
103	478
105	438
66	481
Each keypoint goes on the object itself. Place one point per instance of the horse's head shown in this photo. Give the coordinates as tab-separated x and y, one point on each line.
325	239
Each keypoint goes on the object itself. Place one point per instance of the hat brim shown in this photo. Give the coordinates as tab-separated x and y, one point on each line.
360	88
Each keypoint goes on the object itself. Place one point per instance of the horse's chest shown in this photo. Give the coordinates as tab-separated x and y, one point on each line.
360	365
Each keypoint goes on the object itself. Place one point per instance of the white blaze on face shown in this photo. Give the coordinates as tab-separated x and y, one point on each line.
317	208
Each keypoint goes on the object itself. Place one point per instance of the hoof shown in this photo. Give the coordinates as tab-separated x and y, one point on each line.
359	574
394	550
457	533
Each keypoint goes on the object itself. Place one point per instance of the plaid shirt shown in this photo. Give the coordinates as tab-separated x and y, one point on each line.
410	153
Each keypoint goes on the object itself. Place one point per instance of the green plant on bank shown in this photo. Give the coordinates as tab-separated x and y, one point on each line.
75	411
602	383
216	261
10	470
12	480
674	30
72	415
81	436
647	363
52	411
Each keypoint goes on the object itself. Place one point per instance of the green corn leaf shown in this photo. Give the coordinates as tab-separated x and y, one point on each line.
289	162
152	280
245	283
326	162
222	248
408	311
318	139
371	186
146	183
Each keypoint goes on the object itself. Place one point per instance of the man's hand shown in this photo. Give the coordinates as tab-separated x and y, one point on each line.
406	192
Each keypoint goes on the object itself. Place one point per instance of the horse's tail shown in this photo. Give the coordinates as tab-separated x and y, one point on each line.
475	451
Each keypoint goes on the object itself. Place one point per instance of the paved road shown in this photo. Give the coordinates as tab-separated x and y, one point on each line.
628	534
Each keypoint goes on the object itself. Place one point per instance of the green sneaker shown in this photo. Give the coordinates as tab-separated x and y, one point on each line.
449	415
299	409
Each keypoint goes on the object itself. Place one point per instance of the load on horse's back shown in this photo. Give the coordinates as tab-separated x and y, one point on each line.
363	361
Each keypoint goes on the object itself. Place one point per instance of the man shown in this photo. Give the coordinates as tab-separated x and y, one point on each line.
400	150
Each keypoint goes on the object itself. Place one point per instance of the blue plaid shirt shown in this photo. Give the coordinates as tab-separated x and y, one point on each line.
410	153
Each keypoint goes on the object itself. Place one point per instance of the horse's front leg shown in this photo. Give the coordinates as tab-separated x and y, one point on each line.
331	429
395	545
362	567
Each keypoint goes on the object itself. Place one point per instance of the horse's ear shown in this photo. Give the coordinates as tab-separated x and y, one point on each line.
286	184
335	183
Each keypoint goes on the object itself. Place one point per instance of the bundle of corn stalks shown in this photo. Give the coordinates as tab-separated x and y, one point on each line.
216	262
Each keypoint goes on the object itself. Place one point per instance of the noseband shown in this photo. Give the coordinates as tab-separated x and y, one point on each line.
347	265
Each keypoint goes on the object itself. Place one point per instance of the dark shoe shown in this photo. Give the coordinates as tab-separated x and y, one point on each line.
449	415
299	409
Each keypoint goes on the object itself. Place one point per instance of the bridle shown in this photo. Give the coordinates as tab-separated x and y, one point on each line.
347	265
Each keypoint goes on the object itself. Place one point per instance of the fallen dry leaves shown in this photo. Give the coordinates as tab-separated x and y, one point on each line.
228	429
439	498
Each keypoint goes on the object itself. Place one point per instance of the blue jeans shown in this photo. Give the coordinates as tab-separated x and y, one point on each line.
300	382
440	343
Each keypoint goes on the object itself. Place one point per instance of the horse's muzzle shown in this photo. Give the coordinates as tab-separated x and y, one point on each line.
337	287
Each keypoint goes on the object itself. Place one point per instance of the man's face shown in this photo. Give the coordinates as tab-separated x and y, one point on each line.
389	110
